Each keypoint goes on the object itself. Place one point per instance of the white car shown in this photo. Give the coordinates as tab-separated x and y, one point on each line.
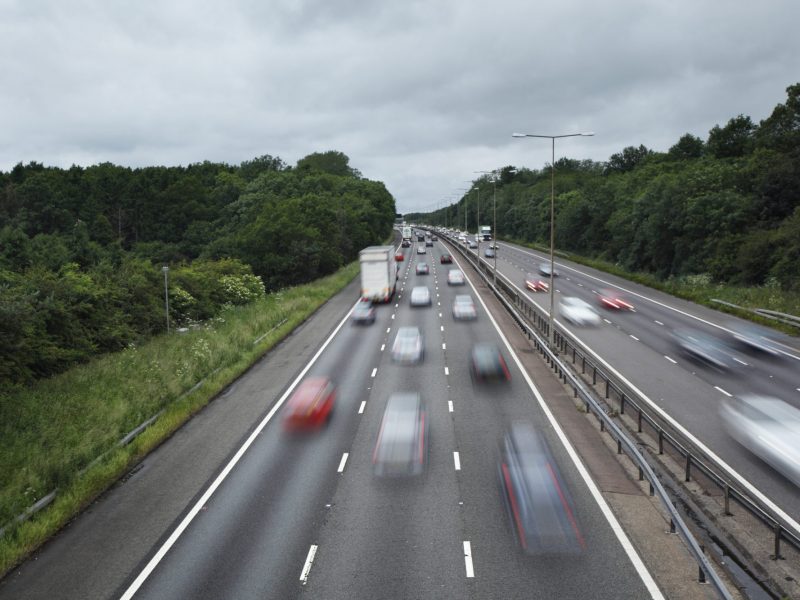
578	312
769	428
407	347
420	296
421	250
464	308
455	277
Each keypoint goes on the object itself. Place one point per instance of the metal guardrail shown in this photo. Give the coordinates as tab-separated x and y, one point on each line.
535	324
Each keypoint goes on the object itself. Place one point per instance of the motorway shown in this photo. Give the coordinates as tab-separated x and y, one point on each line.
286	515
638	345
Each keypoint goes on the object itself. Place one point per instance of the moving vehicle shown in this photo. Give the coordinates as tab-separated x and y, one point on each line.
399	257
544	269
310	405
421	250
473	244
537	499
755	338
420	296
489	253
455	277
429	243
536	285
363	313
407	347
406	243
402	445
578	312
614	300
488	364
485	232
769	428
464	308
407	233
703	348
422	268
378	273
446	259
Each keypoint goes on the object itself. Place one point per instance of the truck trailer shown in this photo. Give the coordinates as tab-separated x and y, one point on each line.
378	273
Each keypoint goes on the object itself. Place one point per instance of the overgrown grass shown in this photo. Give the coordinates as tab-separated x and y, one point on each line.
700	289
63	433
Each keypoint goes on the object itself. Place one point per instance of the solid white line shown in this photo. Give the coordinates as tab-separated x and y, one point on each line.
468	559
178	531
374	370
634	337
342	462
622	537
307	566
446	371
450	406
674	362
361	408
659	323
716	387
457	461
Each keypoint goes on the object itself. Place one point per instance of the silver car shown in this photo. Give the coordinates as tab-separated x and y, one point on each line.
407	347
420	296
769	428
455	277
464	308
402	445
578	312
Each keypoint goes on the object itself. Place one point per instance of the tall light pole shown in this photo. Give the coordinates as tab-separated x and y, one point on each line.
552	138
494	218
165	269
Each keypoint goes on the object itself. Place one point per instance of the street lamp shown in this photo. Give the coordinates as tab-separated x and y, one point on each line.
494	218
552	138
165	268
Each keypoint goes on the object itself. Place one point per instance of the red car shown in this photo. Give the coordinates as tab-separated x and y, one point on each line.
446	259
613	300
399	257
536	285
311	404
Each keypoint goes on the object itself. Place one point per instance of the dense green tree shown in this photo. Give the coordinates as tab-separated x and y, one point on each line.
733	140
687	148
628	159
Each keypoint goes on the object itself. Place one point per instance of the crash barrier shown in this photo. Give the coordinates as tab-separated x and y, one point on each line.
535	324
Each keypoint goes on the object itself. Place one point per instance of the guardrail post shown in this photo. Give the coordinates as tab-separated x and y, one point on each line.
777	555
573	355
660	441
594	375
606	388
727	501
583	365
687	476
622	404
602	425
619	446
639	422
701	576
671	525
641	474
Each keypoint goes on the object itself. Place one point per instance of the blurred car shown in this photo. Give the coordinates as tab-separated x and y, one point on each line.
578	312
402	445
434	238
754	337
420	296
493	245
464	308
455	277
473	244
429	243
421	249
536	285
399	257
446	259
537	499
422	269
769	428
544	269
363	313
310	405
489	253
407	347
488	364
614	300
405	244
703	348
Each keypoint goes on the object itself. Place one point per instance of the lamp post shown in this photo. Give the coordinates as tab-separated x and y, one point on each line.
552	138
165	269
494	218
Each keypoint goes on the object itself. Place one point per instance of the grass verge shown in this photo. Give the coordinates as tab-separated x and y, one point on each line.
63	432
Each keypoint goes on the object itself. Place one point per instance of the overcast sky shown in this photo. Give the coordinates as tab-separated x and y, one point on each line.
419	94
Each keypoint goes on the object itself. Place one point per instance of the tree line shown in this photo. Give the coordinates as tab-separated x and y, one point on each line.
82	249
727	207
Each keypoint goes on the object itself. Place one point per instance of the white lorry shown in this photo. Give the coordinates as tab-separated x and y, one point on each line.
485	233
406	233
378	273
